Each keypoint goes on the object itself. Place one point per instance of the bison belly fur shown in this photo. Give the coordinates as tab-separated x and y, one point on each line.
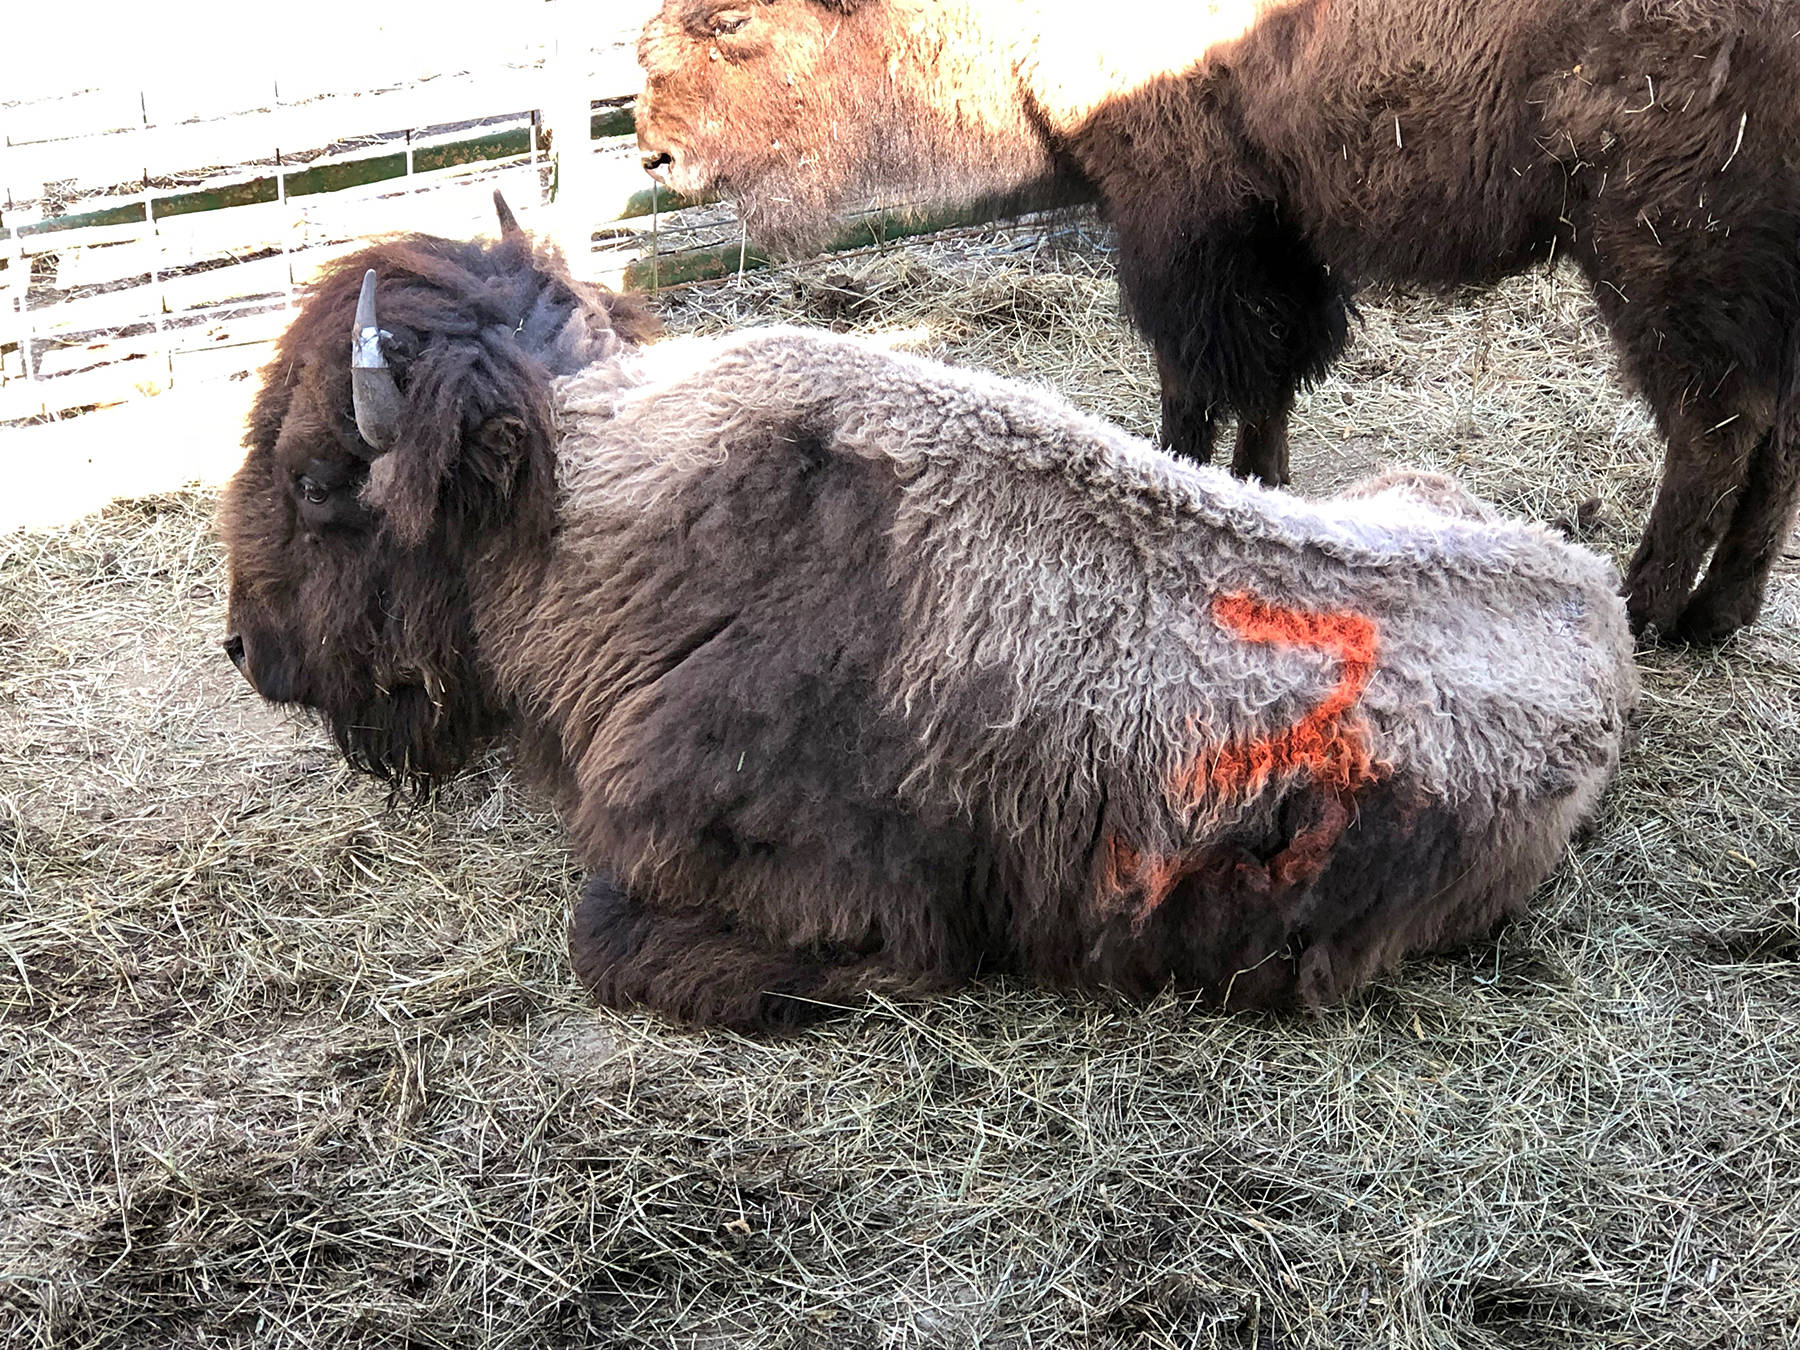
852	672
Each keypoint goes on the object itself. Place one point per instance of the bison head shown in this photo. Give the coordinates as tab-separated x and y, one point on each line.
371	497
798	108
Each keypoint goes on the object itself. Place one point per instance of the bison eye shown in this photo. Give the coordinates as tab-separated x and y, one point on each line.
728	21
324	495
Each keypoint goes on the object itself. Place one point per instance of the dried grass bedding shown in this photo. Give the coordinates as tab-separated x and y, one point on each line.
280	1065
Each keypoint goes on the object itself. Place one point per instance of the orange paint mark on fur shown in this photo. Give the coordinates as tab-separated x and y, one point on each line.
1126	871
1330	743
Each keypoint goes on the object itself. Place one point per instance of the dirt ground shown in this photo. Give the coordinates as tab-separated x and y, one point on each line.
281	1064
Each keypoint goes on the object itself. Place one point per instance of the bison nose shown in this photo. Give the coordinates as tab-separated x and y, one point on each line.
234	648
655	161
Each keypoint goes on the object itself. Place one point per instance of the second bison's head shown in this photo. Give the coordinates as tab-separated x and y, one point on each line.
800	108
401	439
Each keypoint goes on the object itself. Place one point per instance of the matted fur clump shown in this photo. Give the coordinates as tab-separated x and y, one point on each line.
853	672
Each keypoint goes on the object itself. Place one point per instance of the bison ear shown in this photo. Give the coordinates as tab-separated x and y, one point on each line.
467	475
493	453
474	418
404	486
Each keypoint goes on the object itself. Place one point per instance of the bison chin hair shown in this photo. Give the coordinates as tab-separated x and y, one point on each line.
411	738
414	710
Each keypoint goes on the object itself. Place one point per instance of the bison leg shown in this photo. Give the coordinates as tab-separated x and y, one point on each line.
692	965
1262	447
1190	424
1736	581
1188	421
1703	477
1242	312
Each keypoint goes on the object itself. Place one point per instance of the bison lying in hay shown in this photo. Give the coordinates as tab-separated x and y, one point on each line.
854	672
1262	158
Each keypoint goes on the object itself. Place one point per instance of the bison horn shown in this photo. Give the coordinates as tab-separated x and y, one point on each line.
372	388
509	223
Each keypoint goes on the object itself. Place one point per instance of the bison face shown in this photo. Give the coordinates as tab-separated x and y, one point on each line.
352	567
308	563
331	611
799	108
755	97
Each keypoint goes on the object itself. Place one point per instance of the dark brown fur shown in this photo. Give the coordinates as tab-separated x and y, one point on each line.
1258	179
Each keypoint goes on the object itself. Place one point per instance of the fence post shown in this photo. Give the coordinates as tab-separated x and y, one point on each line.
15	300
287	221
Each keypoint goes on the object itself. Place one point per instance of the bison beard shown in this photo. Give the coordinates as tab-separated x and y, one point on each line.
1261	160
850	672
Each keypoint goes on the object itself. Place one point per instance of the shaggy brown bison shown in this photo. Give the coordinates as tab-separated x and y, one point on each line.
1262	158
852	672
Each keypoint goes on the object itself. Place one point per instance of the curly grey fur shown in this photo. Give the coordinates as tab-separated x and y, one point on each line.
1051	662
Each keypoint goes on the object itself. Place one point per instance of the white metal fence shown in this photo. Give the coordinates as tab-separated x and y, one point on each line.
159	209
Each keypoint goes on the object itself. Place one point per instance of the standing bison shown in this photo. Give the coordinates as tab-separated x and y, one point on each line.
853	672
1260	159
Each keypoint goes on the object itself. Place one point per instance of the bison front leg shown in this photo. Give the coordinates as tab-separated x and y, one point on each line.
1703	480
1262	446
693	965
1190	427
1738	577
1189	424
1242	314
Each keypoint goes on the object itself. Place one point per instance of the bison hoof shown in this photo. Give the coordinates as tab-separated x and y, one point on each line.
606	929
693	966
1652	620
1709	619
